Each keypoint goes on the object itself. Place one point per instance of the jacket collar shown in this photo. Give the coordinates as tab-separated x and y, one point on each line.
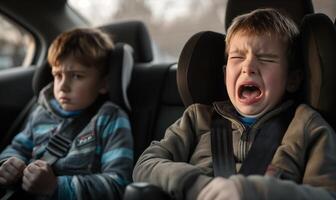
227	110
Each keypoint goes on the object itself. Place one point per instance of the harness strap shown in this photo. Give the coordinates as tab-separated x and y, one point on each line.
60	143
261	153
265	145
221	147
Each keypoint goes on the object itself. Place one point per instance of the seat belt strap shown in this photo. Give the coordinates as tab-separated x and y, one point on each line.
265	145
60	143
221	147
261	153
57	147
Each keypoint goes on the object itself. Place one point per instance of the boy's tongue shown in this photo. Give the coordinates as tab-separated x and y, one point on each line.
250	94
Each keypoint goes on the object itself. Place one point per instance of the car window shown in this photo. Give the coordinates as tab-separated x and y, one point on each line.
170	22
327	7
17	46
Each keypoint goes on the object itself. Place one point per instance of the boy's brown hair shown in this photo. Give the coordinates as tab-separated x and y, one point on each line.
268	22
88	46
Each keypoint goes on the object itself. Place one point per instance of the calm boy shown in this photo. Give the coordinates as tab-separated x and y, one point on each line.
99	161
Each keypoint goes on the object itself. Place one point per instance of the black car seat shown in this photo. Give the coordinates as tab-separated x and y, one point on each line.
136	35
318	49
147	86
152	92
200	69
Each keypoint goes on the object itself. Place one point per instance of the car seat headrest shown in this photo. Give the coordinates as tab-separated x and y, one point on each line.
119	77
42	77
200	69
296	9
318	50
121	65
135	34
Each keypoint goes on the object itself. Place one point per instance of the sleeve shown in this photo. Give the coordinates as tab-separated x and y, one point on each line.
22	144
315	160
116	162
165	163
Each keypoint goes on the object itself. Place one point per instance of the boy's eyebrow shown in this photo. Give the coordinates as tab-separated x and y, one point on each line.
68	71
237	51
268	55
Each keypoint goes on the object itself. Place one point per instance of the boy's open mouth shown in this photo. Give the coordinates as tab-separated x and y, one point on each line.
249	93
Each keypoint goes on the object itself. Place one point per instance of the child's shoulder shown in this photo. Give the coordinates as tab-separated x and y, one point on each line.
110	108
308	116
305	111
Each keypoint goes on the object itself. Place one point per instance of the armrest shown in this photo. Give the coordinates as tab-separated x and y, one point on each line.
145	191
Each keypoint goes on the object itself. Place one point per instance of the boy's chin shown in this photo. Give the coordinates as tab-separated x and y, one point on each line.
68	108
251	113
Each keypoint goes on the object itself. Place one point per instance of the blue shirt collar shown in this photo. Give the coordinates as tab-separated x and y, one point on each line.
57	107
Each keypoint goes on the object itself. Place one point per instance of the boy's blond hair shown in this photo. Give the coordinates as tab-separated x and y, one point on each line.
271	23
88	46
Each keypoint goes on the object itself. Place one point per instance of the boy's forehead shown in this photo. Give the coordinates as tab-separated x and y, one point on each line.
70	66
242	40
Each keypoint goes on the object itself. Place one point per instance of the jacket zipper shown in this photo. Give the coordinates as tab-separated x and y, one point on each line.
243	145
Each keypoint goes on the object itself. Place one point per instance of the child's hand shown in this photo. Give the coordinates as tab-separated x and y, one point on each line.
219	188
39	178
11	171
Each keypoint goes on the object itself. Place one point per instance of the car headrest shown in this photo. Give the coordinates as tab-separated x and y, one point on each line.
318	48
119	77
296	9
121	65
200	76
42	77
135	34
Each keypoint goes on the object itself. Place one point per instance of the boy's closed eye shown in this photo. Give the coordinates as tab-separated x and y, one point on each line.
236	56
268	58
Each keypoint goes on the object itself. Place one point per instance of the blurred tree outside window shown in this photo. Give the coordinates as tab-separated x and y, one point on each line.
17	46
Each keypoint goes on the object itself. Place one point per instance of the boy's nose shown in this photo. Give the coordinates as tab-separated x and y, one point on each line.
64	85
249	67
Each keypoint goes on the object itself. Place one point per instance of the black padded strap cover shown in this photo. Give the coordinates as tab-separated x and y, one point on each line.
265	144
221	147
60	143
261	152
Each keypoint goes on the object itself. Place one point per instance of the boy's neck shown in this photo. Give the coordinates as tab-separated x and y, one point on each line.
247	121
57	107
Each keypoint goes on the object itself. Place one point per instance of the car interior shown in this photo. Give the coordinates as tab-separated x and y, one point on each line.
156	94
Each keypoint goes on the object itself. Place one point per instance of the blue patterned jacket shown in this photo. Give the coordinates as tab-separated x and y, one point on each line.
100	160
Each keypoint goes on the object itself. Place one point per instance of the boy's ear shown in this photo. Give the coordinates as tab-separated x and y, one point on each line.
294	80
103	88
